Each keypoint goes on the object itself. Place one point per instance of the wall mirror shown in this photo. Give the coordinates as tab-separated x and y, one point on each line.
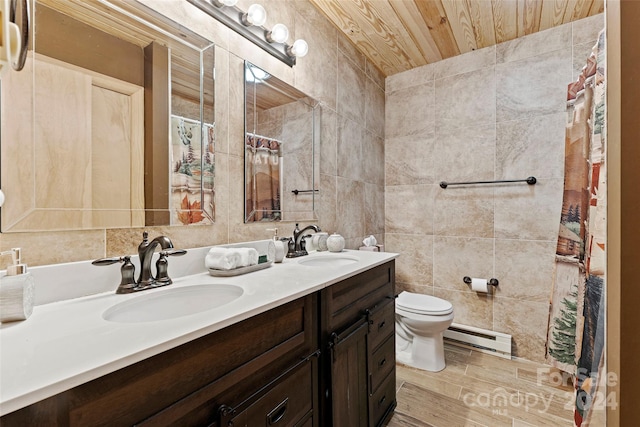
110	124
281	155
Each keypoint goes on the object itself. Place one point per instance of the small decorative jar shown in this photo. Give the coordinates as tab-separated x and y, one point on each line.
335	243
320	241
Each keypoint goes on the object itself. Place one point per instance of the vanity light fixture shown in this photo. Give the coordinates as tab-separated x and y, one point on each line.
249	24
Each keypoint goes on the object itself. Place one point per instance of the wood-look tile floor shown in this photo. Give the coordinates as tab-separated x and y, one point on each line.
478	389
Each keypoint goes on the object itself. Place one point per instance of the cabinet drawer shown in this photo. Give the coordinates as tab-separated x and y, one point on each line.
383	401
346	301
287	402
382	362
381	322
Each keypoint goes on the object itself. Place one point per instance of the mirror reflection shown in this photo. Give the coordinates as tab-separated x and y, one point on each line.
281	177
110	124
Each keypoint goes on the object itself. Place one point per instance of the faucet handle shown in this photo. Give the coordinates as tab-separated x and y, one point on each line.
127	271
162	266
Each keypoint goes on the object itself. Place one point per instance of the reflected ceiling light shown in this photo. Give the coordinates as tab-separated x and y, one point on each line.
256	75
249	25
278	34
256	15
298	49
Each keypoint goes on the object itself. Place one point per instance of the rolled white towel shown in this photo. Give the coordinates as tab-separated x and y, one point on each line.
222	258
248	256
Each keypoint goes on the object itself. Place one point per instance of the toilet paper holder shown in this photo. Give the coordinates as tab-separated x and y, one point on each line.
491	282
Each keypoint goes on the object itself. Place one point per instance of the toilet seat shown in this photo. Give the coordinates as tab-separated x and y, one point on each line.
423	304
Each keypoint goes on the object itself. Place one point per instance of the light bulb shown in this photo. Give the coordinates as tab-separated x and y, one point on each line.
256	15
279	34
298	49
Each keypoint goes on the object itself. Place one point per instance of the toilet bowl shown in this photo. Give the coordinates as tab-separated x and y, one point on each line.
420	323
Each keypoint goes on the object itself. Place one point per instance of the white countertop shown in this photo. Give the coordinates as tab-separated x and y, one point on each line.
67	343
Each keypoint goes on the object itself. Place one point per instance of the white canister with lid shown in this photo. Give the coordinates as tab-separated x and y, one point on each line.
335	243
320	241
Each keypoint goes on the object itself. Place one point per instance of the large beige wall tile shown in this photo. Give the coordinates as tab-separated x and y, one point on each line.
524	269
351	90
472	61
54	247
409	209
419	76
328	140
327	203
534	44
350	208
350	140
372	159
414	267
374	108
410	111
528	211
457	257
526	321
533	86
409	160
587	30
531	147
466	99
373	209
469	308
465	153
464	211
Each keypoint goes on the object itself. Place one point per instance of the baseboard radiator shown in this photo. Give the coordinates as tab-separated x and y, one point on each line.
483	340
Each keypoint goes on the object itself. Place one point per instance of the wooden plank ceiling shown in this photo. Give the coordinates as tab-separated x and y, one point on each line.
398	35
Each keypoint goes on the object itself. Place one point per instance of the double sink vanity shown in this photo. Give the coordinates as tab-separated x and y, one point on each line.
308	342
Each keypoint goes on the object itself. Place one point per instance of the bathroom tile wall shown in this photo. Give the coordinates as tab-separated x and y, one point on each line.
495	113
351	179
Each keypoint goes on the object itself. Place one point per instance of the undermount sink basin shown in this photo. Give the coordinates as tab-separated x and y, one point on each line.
329	261
172	303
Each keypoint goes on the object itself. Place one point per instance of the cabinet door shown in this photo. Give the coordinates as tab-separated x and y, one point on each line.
349	376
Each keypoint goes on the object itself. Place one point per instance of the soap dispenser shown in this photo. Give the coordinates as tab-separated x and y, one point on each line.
280	246
17	290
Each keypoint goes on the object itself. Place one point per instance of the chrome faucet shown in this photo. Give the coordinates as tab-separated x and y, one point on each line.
298	246
146	280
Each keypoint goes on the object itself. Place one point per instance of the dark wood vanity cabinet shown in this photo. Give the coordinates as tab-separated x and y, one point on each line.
324	359
357	339
262	370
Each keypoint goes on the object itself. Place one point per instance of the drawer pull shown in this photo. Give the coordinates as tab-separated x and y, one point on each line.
381	324
277	413
381	401
382	362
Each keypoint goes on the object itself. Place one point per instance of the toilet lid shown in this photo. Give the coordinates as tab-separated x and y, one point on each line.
423	304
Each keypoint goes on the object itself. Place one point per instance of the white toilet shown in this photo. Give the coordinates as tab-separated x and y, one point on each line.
420	323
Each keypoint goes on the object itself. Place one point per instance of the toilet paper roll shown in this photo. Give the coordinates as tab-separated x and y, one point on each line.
479	285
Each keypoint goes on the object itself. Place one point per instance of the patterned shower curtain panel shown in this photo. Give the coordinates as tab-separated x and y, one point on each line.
263	160
192	159
575	335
